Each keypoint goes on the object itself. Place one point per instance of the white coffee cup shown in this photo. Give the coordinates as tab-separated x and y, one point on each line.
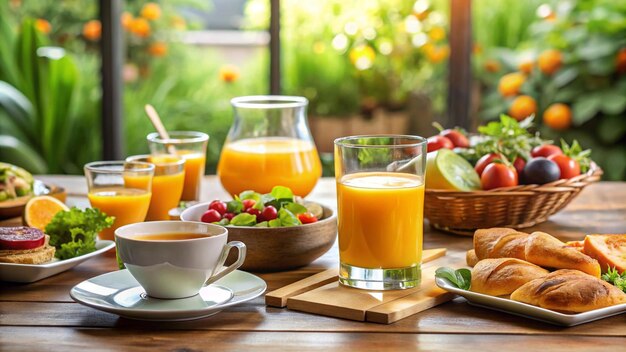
176	268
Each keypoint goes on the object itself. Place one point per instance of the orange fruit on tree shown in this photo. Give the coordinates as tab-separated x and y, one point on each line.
437	33
558	116
140	27
157	49
229	73
151	11
92	30
526	67
620	60
43	26
550	61
492	66
39	211
126	20
522	107
510	84
436	54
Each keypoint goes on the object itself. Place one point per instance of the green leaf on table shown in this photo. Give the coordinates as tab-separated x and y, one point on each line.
243	219
295	208
287	218
461	278
282	193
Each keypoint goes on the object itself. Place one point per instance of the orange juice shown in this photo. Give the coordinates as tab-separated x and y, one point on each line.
381	217
260	164
167	185
128	205
194	170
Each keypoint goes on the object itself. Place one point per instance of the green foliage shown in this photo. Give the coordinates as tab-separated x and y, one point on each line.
590	36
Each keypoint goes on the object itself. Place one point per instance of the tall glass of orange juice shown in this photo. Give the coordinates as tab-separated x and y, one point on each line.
269	144
167	183
191	146
380	201
120	189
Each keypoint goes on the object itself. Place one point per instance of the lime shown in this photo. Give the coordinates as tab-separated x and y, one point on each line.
447	170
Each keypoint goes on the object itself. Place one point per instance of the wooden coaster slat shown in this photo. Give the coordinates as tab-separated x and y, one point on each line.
278	298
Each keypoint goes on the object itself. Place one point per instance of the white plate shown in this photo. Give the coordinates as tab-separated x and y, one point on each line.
119	293
528	311
33	272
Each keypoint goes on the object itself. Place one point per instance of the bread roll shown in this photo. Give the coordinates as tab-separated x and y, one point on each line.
538	248
569	291
471	258
608	250
547	251
499	277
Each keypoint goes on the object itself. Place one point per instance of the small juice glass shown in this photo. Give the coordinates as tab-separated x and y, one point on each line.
380	201
121	189
167	183
191	146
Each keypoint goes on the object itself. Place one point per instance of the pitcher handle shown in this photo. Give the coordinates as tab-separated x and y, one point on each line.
240	259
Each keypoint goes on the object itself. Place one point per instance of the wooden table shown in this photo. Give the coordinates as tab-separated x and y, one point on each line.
42	316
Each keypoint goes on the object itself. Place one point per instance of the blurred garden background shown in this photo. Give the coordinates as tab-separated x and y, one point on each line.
366	66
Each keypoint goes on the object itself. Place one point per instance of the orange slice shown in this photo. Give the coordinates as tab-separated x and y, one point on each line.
39	211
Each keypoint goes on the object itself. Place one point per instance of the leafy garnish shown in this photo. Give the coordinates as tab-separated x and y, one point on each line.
461	278
73	232
508	137
243	219
287	218
576	152
616	279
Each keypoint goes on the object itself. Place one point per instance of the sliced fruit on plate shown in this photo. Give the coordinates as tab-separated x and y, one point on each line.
447	170
40	210
608	250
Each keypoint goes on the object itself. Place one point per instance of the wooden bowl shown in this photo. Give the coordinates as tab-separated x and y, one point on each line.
15	207
278	248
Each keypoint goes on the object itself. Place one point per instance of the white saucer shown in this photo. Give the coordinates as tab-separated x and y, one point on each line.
34	272
119	293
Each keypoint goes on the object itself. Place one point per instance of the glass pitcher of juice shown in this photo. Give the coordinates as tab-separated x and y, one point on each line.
269	144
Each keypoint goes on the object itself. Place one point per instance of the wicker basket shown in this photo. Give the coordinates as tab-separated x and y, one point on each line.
517	207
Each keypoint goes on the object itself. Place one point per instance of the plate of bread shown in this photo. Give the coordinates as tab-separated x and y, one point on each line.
27	256
540	277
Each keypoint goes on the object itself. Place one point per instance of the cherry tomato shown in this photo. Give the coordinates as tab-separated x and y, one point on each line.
456	137
253	211
211	215
545	150
218	206
307	218
248	203
438	142
228	216
519	164
269	213
568	166
485	160
498	175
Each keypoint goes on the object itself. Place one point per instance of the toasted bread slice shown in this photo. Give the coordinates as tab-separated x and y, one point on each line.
42	255
608	250
5	252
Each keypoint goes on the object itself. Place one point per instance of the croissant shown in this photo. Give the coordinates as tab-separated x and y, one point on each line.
569	291
538	248
501	276
471	258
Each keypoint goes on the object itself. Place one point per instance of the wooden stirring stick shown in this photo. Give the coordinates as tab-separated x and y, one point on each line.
158	125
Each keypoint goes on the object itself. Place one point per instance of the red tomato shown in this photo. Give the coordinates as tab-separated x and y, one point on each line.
519	164
485	160
254	211
438	142
248	203
457	138
307	218
568	166
218	206
228	216
211	215
545	150
269	213
498	175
